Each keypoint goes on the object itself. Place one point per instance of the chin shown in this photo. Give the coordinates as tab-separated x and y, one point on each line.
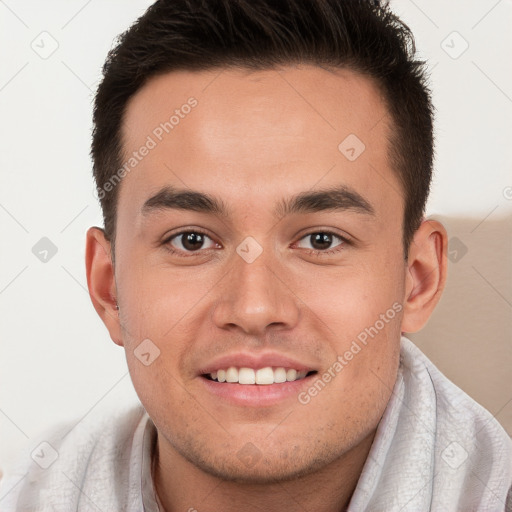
250	466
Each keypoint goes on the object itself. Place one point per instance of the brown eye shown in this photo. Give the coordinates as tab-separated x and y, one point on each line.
321	241
189	241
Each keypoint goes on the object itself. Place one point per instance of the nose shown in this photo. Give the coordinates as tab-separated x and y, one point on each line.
254	297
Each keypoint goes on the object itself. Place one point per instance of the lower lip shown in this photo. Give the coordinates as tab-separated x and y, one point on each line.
256	395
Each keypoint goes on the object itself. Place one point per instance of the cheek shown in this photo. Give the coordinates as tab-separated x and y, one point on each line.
158	316
159	301
353	299
360	315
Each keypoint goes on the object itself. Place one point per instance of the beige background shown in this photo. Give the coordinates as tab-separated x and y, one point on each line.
469	336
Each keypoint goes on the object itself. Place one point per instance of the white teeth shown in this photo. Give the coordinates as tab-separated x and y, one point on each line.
262	376
265	376
279	375
232	374
291	375
246	376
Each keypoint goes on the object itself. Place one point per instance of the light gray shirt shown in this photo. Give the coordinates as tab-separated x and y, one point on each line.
435	449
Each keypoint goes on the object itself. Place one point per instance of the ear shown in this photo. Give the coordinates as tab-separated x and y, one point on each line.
426	274
101	281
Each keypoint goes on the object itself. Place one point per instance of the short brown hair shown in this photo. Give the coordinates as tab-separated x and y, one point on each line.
361	35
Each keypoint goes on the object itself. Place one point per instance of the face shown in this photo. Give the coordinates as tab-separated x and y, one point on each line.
259	239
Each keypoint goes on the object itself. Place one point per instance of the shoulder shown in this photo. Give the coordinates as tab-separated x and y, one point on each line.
473	452
455	410
56	465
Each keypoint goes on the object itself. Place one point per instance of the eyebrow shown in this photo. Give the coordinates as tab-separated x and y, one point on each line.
338	198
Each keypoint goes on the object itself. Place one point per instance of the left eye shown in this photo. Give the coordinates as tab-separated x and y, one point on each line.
321	241
190	241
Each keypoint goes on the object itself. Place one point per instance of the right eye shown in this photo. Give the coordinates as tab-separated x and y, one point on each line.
188	242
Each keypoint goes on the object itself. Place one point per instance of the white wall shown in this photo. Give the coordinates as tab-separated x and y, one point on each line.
56	358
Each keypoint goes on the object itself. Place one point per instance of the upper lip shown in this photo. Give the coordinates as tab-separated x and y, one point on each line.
255	361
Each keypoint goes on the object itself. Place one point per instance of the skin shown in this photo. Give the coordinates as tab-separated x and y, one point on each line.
253	139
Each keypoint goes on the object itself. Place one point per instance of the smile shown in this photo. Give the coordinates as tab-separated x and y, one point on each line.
261	376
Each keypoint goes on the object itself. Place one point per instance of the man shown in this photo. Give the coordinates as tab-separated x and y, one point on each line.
263	169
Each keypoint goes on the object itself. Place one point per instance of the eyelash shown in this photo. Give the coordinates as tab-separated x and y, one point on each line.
312	252
187	254
327	252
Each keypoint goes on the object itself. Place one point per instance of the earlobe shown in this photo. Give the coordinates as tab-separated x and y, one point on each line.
101	281
426	274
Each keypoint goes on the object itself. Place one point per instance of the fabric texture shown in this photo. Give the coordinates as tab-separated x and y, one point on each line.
435	449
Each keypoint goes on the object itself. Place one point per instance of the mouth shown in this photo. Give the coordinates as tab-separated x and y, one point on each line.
265	379
265	376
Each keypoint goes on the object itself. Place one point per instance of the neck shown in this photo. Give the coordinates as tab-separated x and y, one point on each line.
180	485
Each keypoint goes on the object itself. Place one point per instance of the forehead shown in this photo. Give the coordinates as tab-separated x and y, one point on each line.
262	133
